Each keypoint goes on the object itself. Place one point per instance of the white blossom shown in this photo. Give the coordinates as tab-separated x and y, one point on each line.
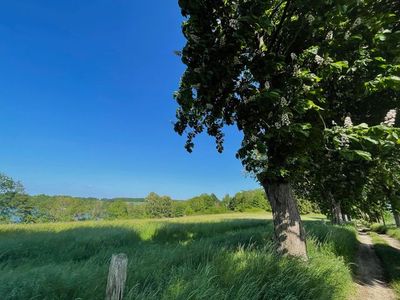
344	140
234	24
267	85
310	18
329	36
285	120
296	70
347	35
318	59
356	23
334	123
390	118
284	102
277	125
347	122
293	56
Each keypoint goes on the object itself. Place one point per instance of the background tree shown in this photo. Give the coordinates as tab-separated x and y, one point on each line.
159	206
14	203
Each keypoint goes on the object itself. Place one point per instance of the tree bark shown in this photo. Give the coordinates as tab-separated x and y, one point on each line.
395	210
289	230
337	211
344	217
396	216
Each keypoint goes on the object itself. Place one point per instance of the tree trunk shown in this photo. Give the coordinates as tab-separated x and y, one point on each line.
396	215
289	231
383	218
397	218
394	202
337	211
344	217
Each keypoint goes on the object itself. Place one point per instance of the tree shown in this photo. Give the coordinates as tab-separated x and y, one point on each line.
14	203
8	185
245	200
274	69
159	206
117	210
362	153
203	204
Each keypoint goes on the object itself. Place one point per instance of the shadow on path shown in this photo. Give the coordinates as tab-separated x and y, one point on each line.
370	276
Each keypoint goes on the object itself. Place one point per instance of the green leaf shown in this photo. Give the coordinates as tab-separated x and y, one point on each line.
363	154
375	142
340	64
311	105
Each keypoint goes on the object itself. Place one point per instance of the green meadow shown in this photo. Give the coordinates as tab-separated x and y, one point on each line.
228	256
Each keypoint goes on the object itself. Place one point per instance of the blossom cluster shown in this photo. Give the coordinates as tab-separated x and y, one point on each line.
390	118
347	122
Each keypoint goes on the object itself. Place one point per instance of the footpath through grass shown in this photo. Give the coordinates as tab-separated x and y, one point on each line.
214	257
390	258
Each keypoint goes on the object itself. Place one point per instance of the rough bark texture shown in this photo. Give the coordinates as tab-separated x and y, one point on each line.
337	211
117	277
344	217
396	216
289	231
395	209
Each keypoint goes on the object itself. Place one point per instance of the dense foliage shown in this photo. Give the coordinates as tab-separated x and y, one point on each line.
285	73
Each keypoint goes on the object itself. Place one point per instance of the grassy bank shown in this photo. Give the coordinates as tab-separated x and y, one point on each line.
390	230
216	257
390	258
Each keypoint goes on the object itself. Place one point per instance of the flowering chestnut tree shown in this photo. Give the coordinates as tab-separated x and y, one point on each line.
278	70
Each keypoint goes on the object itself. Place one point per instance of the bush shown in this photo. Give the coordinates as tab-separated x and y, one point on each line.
159	206
245	200
379	228
307	207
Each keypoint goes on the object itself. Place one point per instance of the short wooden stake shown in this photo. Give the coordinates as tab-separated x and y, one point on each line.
117	277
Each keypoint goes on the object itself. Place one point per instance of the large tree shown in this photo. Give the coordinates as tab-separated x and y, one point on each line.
279	70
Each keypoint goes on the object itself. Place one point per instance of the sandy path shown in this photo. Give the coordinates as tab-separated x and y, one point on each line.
370	280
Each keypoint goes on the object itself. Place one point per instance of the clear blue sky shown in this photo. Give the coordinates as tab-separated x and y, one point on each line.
86	105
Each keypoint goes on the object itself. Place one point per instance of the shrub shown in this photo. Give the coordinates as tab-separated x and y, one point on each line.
379	228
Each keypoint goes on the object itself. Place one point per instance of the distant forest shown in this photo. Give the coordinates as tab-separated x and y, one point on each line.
17	207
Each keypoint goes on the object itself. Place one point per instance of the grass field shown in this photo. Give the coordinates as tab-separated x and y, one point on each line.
205	257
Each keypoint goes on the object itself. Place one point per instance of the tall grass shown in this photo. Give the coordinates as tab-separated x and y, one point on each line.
190	258
390	230
394	232
390	258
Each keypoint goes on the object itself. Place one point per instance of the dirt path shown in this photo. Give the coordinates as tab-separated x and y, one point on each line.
370	280
391	241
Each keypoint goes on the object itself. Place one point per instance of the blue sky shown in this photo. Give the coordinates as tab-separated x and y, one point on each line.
86	105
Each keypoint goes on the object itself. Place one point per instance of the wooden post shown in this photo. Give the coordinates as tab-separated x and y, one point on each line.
117	277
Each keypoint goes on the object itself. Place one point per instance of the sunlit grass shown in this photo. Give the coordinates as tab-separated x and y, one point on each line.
215	256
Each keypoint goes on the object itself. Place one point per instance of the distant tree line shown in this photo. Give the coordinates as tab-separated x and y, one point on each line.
16	206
